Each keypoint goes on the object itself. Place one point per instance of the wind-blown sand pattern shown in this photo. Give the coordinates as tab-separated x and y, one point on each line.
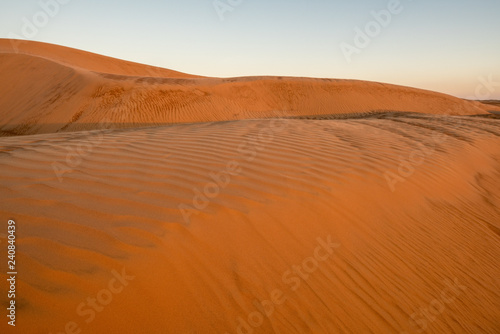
49	89
202	222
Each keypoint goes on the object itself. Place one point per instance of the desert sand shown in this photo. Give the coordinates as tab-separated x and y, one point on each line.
152	201
49	88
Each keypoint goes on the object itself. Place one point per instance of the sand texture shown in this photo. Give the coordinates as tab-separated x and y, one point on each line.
47	89
244	205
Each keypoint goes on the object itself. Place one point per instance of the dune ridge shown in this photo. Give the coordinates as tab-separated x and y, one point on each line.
85	60
50	88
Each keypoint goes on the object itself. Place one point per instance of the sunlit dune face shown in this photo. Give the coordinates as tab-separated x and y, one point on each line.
149	201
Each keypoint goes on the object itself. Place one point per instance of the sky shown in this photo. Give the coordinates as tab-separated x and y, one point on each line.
450	46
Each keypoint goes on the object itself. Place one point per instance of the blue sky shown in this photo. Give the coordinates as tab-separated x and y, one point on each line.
444	45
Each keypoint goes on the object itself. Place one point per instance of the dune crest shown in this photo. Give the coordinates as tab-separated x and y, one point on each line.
50	89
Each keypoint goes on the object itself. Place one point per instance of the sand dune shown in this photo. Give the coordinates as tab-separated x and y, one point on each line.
491	102
495	103
200	266
48	88
85	60
342	207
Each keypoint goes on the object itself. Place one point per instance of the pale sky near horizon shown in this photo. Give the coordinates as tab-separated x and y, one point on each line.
449	46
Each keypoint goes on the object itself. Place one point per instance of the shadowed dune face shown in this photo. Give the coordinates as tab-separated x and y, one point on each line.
495	103
492	102
382	225
50	89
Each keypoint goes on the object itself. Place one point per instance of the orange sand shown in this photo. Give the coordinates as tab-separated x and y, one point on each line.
368	205
48	88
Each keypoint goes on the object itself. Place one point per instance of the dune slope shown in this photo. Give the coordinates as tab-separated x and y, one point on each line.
48	88
317	223
86	60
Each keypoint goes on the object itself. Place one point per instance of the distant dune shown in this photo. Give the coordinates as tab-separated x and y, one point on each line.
341	207
491	102
495	103
47	88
